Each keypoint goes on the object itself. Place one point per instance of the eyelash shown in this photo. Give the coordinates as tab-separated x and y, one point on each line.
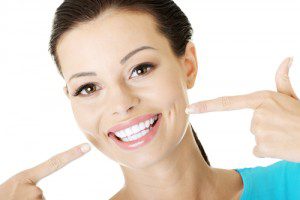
91	84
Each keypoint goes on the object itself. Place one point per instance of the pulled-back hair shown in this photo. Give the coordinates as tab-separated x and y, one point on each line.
170	21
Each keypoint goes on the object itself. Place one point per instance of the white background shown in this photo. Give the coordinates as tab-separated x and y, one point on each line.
239	44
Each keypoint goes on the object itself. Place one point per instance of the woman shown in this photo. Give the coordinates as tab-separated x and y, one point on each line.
129	63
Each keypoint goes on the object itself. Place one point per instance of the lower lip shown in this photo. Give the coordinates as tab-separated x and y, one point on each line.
131	145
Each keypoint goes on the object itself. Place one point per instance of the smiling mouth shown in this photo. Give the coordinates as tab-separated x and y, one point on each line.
141	131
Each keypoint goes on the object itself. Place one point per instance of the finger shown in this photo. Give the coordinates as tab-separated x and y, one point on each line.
30	191
225	103
56	162
257	152
37	192
283	82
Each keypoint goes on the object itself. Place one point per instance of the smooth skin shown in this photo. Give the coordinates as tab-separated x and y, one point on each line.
23	185
171	165
276	119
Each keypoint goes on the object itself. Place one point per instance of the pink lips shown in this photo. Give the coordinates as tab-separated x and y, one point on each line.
135	144
130	123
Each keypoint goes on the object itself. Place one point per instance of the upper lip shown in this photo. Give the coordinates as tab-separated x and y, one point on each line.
130	123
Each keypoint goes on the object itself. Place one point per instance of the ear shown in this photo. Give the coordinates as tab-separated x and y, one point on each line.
190	64
66	92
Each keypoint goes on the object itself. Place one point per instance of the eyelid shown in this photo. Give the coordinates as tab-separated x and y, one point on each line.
80	88
141	64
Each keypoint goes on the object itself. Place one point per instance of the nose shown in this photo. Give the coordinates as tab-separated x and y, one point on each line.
121	100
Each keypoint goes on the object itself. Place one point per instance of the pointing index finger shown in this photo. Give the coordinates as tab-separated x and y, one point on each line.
226	103
56	162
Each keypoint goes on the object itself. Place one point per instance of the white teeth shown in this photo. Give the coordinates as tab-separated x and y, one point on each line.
147	123
142	125
121	133
136	136
136	128
151	121
125	132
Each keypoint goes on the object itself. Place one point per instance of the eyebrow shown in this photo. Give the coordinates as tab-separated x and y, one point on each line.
122	61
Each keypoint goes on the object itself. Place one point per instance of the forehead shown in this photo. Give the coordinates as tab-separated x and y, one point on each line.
109	37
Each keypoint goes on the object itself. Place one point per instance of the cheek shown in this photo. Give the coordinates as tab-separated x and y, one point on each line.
86	117
170	93
169	89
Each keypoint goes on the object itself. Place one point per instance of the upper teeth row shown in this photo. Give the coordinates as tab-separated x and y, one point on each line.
135	128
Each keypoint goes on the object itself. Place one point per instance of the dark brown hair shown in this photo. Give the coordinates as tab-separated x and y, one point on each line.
170	21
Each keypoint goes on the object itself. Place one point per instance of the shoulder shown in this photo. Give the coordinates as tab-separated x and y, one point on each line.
277	180
279	170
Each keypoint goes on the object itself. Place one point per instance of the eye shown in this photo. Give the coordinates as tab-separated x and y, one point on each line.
89	88
142	67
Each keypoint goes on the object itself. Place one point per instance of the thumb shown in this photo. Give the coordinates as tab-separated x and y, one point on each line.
283	82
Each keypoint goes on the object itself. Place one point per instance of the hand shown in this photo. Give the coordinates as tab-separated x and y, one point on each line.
276	119
23	185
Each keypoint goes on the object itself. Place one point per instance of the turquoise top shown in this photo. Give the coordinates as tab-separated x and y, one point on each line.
278	181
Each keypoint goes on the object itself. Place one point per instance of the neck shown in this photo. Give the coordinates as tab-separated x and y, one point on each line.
183	174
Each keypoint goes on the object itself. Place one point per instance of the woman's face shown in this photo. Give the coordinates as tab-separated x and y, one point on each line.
117	93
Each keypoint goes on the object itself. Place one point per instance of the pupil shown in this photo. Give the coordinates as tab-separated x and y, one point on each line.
89	89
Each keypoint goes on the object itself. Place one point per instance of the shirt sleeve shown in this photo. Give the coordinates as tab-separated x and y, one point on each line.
278	181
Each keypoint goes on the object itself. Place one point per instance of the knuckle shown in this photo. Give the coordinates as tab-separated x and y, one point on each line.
28	180
253	129
262	144
255	126
260	140
256	151
270	102
267	94
55	163
285	77
202	107
225	101
260	151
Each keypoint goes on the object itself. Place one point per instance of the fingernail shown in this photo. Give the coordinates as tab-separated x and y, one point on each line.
290	62
189	110
85	148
